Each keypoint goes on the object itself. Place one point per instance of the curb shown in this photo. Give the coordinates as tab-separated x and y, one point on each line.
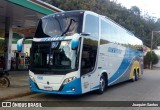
16	96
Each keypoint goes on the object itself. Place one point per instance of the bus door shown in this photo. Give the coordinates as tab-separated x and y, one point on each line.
88	61
85	69
89	52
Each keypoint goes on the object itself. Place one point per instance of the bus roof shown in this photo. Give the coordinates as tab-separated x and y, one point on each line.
83	11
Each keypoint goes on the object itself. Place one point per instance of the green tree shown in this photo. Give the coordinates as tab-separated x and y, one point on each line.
135	10
131	19
150	59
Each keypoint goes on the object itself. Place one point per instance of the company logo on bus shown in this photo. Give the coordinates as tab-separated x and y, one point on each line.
114	50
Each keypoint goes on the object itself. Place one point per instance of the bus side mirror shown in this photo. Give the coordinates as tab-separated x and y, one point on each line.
20	44
74	44
75	41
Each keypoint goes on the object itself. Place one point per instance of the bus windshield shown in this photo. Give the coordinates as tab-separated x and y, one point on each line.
53	56
55	25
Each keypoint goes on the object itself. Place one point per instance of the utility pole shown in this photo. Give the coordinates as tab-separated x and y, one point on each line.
152	43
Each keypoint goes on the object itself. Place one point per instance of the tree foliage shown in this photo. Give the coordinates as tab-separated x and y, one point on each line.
131	19
136	10
150	59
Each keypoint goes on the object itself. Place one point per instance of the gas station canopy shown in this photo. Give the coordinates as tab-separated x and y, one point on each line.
24	13
21	18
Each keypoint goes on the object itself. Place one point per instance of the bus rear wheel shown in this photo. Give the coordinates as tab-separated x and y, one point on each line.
135	76
102	85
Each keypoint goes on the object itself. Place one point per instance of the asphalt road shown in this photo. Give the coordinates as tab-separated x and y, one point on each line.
147	88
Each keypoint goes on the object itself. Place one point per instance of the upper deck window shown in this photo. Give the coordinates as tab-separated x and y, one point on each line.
63	24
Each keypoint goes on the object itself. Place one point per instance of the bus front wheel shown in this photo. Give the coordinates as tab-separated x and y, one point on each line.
102	85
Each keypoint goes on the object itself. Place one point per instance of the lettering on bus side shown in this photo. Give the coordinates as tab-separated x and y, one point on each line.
53	38
114	50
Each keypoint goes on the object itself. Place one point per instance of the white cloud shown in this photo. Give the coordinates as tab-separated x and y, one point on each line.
150	6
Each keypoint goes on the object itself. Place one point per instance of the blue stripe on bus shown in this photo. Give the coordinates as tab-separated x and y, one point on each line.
127	60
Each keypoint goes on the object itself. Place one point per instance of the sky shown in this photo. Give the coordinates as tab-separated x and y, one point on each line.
150	6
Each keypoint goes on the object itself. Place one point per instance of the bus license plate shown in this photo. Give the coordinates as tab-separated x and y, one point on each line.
48	88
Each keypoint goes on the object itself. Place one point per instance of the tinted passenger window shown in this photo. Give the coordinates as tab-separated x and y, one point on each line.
105	30
91	25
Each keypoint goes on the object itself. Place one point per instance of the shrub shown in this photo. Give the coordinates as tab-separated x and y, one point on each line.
150	59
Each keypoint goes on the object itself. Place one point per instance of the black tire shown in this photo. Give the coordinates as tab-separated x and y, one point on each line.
4	82
135	77
102	84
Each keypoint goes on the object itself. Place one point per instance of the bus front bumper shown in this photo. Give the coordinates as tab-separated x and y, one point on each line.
72	88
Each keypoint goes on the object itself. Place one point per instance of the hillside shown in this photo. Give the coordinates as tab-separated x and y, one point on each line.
131	19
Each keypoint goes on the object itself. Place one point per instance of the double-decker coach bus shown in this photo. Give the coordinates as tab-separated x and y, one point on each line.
75	52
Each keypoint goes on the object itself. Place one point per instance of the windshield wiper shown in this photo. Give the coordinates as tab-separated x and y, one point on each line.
71	20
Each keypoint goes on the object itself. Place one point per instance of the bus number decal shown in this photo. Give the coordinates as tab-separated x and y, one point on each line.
40	77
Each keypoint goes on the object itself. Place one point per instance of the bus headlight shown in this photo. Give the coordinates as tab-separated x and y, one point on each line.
32	78
67	80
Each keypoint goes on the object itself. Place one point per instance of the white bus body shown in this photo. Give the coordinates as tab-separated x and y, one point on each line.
80	51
